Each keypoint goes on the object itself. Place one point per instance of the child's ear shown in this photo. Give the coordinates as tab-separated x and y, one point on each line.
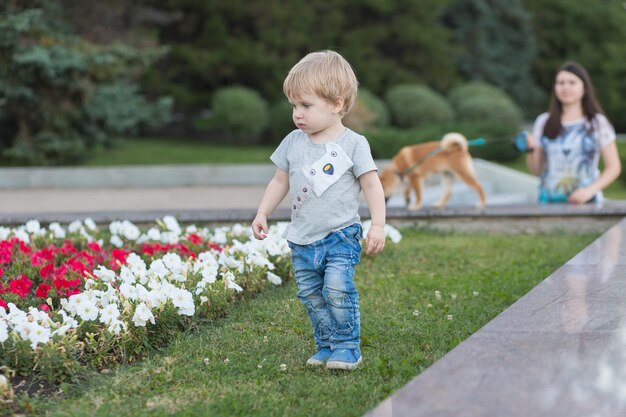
338	105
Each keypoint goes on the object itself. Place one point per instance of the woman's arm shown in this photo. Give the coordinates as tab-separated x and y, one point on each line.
612	169
534	159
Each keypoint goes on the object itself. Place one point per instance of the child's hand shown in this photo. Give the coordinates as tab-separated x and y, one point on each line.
375	241
259	226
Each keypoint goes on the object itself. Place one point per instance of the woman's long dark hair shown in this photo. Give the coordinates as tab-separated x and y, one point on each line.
590	103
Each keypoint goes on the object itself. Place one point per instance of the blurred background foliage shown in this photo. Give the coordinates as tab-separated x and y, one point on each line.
76	74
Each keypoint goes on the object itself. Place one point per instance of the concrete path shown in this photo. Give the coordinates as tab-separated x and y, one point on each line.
81	200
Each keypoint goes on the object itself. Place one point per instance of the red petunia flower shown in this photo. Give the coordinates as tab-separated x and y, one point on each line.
46	271
94	246
24	248
69	293
214	246
42	291
194	239
3	303
20	286
118	255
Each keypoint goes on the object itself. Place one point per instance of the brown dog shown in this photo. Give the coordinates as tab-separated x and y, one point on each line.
449	157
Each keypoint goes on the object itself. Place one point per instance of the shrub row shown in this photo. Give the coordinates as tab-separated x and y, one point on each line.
409	113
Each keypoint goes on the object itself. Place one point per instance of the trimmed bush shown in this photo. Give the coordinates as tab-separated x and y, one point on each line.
281	122
472	89
241	113
385	143
484	110
418	106
481	102
368	113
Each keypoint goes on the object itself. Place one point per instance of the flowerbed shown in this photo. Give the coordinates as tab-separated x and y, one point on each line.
81	297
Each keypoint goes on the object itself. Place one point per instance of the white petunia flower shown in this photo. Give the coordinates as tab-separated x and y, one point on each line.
129	230
274	279
87	311
4	332
36	334
174	263
158	269
142	315
183	300
230	282
22	235
90	224
172	224
116	326
219	237
109	314
154	234
137	266
33	226
74	226
105	275
128	291
116	241
170	237
57	231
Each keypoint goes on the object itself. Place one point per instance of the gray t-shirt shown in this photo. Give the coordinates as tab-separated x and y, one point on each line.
315	216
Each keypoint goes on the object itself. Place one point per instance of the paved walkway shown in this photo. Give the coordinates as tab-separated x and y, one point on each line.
81	200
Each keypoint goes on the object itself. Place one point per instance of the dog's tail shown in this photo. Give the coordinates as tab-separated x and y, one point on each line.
454	141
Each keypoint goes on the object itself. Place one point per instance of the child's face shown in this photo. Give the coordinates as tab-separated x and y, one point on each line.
313	114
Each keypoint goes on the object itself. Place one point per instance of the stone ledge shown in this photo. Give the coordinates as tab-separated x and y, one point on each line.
562	213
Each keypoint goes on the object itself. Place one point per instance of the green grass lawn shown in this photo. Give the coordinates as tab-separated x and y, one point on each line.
419	299
151	151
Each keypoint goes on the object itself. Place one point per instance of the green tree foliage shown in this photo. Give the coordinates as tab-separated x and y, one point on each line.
592	33
498	45
61	95
218	43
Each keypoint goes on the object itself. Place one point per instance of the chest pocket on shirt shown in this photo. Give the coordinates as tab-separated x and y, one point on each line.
328	169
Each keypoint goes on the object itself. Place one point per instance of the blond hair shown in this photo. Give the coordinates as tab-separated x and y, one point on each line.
326	74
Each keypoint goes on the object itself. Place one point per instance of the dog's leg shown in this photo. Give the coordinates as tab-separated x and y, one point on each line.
416	181
407	192
447	179
466	174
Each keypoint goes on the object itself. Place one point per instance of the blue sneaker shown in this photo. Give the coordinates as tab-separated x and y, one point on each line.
320	357
347	359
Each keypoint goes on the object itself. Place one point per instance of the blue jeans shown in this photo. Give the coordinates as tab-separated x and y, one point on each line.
324	273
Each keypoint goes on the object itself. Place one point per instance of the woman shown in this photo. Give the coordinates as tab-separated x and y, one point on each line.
566	143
